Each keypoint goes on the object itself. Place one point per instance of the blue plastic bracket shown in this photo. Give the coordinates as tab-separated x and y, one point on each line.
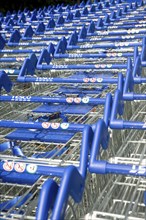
7	18
51	195
28	32
58	47
85	11
64	41
82	4
8	13
51	11
118	105
107	109
120	82
25	10
72	184
27	68
113	16
143	52
42	14
101	138
33	17
135	4
137	70
60	20
45	56
124	11
40	28
5	82
112	2
129	64
93	9
22	19
77	14
10	23
100	24
119	13
73	39
75	6
68	8
69	16
51	24
15	18
143	56
15	37
129	83
141	3
51	49
19	12
107	5
30	68
114	123
2	42
136	54
106	20
61	46
60	9
91	28
47	198
130	6
28	14
33	60
88	2
83	33
99	6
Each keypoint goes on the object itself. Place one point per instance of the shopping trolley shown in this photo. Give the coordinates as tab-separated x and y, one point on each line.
49	185
123	196
130	156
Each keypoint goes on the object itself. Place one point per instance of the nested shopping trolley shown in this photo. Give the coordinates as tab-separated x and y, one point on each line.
54	143
123	196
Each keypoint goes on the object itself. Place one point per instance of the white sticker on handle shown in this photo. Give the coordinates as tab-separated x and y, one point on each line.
31	168
20	167
8	166
46	125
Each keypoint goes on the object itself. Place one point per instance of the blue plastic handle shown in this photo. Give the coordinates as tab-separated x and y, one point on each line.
46	99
